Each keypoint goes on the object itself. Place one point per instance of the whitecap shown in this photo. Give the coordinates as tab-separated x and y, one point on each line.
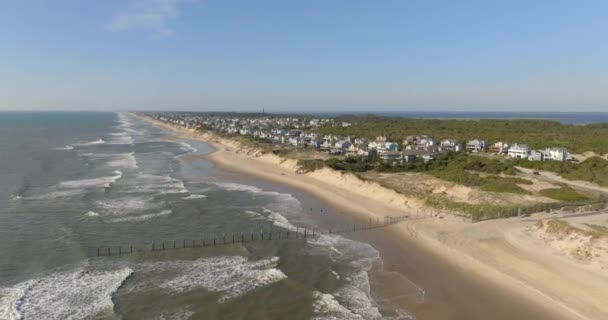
127	205
230	276
15	198
91	214
148	183
141	217
117	160
194	196
89	143
65	148
105	182
187	147
124	160
326	307
126	139
57	194
232	186
80	294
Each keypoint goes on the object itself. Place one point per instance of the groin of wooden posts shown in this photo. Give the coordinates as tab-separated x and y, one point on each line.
247	237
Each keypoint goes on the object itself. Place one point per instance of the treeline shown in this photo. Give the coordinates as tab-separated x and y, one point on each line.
536	133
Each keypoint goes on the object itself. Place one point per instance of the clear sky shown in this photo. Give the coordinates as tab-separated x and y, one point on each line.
308	55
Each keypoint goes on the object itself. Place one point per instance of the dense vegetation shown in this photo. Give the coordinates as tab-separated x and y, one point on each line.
594	169
459	168
536	133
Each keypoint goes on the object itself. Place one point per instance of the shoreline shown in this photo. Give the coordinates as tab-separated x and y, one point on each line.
494	250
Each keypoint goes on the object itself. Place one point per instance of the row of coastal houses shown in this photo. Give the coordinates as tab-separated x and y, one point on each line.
300	132
523	151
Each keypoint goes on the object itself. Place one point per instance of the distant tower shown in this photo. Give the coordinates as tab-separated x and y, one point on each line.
263	111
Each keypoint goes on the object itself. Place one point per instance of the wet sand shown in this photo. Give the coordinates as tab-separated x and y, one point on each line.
450	292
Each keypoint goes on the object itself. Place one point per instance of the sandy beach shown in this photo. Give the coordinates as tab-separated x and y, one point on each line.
503	252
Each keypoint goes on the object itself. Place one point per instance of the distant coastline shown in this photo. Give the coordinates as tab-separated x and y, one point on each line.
562	117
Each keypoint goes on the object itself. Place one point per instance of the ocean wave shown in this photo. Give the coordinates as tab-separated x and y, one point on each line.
355	294
126	139
117	160
57	194
80	294
149	183
127	205
231	276
91	214
124	160
141	217
180	314
89	143
65	148
194	196
187	147
233	186
326	307
105	182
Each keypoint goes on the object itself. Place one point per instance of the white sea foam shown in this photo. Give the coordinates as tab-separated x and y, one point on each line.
116	160
232	276
141	217
65	148
187	147
127	205
80	294
255	215
57	194
148	183
194	196
89	143
105	182
124	160
91	214
232	186
180	314
16	197
326	307
361	257
125	139
279	220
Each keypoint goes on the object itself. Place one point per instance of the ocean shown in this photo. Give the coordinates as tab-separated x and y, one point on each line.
71	183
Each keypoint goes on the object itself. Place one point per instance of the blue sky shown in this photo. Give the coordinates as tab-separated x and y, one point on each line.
313	55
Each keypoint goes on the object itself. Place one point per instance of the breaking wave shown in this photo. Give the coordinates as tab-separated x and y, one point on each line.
141	217
105	182
231	276
195	196
89	143
65	148
80	294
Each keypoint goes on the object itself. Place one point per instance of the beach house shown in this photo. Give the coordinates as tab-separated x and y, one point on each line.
476	145
518	151
450	145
